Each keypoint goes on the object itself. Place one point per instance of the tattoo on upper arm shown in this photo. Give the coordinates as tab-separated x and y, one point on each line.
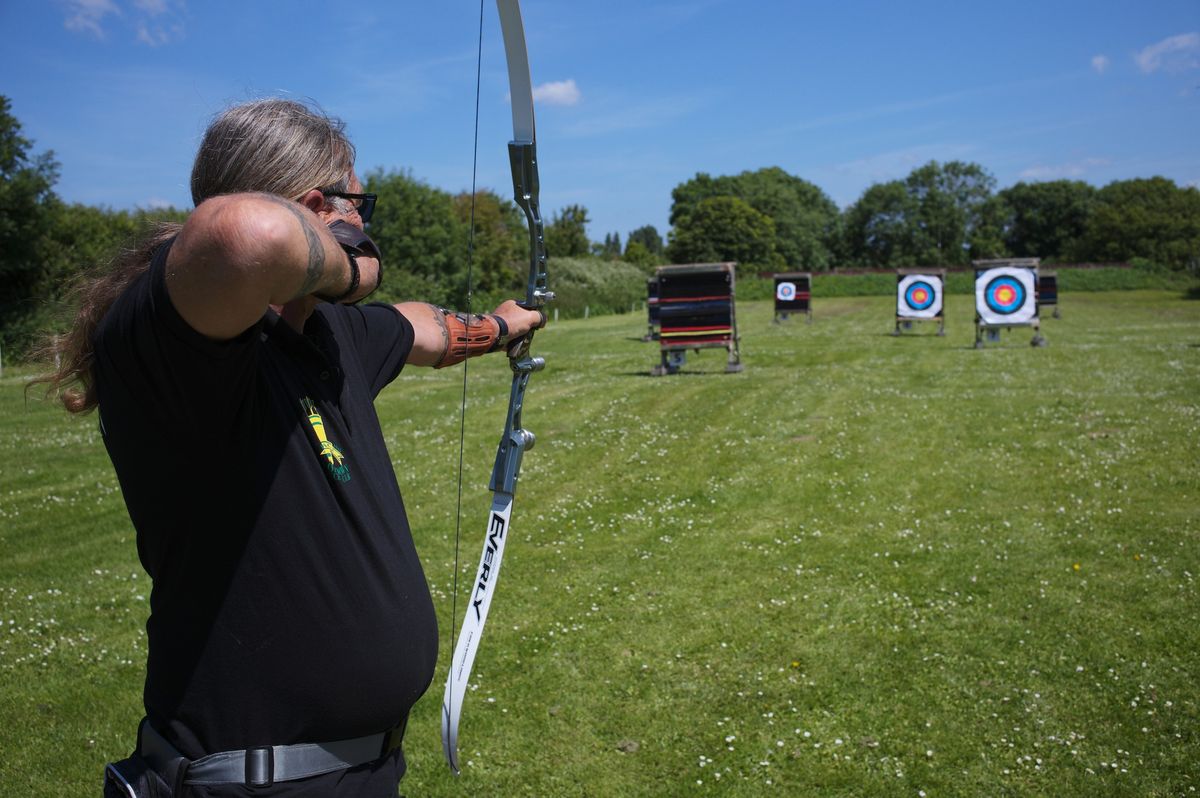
315	269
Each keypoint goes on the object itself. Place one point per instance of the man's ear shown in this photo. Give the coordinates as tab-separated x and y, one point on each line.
314	200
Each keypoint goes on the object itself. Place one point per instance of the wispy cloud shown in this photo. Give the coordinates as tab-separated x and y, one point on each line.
561	92
1100	63
1064	170
1173	54
610	119
896	164
152	22
874	112
87	16
899	107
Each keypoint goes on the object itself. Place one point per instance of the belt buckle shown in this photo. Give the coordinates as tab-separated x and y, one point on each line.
260	767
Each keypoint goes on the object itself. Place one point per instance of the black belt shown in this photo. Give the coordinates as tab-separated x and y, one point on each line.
263	766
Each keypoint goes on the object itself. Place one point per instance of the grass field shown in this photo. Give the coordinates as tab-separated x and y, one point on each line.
866	565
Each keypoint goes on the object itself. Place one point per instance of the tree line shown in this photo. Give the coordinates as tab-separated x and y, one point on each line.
942	214
766	220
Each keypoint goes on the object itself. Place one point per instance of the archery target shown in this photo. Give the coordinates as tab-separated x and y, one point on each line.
1005	295
785	292
919	296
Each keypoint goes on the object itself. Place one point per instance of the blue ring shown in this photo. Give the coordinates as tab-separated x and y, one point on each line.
989	295
908	295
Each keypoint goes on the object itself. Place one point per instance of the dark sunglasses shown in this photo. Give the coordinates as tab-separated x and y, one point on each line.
363	203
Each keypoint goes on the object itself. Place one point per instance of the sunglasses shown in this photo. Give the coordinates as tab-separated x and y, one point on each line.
363	203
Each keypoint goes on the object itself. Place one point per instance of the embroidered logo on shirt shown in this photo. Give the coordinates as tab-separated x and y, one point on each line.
333	457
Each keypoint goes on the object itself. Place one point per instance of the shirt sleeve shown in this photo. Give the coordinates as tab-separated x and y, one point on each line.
383	339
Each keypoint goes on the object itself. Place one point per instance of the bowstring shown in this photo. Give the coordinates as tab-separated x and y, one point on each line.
462	425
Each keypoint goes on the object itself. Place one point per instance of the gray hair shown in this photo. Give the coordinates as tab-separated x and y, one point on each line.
276	146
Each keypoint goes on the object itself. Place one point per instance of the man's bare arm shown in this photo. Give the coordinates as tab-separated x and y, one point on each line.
432	331
237	254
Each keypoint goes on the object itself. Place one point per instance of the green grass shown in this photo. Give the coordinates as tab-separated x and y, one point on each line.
864	566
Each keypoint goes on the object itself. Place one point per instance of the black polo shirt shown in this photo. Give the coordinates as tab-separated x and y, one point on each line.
288	602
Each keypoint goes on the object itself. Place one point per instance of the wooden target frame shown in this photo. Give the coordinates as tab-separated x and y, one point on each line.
793	294
920	296
696	311
1047	292
1006	296
652	309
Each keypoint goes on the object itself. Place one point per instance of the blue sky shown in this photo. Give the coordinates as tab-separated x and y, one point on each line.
634	96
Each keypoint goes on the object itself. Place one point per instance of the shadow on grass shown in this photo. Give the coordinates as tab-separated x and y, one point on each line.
687	373
914	336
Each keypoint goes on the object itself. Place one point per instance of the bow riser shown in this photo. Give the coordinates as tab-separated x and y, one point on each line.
515	440
522	156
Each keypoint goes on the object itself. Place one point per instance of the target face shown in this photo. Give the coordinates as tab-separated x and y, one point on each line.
919	296
785	292
1005	295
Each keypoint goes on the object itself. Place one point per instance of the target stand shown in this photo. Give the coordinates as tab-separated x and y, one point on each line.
793	294
919	297
1047	292
696	311
652	309
1006	296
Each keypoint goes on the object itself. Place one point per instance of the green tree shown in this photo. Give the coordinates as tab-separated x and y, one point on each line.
637	254
644	248
648	237
1047	220
1151	218
610	249
566	235
27	204
805	219
880	230
723	229
422	238
987	238
85	237
499	248
950	198
941	214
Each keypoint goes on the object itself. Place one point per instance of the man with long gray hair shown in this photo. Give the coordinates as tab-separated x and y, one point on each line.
291	628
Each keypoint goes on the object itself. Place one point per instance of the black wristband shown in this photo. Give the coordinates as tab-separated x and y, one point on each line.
355	242
502	339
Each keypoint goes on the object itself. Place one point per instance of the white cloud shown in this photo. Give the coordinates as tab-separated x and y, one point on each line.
1174	54
90	17
562	92
152	36
1100	63
1060	171
85	16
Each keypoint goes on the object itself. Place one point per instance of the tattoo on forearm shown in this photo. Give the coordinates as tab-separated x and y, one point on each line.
439	315
315	269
